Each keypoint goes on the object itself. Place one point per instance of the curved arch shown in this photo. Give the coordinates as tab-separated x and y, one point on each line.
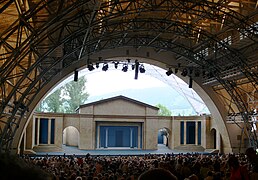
208	97
164	132
32	62
213	142
71	136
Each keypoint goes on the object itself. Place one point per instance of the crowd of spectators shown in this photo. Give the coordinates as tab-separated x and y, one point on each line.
192	166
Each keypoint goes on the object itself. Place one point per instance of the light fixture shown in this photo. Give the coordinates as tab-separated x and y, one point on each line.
90	67
97	65
116	64
125	68
136	69
105	67
184	72
75	75
169	72
133	66
190	82
142	69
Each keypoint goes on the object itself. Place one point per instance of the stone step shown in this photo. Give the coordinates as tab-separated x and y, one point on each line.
213	151
47	148
190	148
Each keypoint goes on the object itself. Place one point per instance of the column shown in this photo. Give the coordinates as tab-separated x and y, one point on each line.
98	136
185	132
49	132
196	132
38	119
131	137
139	139
106	142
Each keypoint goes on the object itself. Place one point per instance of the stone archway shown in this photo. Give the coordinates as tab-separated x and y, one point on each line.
163	136
213	134
71	136
67	33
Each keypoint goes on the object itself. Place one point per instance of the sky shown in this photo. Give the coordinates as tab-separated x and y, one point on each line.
115	80
101	82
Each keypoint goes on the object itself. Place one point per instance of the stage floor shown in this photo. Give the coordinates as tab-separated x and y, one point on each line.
69	150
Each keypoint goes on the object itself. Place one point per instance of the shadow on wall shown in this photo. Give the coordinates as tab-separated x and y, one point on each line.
71	136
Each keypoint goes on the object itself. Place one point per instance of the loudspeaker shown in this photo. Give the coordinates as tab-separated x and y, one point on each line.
190	82
75	75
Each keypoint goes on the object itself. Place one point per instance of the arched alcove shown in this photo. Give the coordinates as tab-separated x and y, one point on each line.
71	136
213	133
163	136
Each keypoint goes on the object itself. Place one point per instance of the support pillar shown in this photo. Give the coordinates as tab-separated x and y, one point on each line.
49	132
196	133
185	132
106	143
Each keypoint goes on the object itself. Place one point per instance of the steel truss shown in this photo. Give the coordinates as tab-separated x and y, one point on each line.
46	36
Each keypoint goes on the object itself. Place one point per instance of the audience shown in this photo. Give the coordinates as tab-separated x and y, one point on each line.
190	166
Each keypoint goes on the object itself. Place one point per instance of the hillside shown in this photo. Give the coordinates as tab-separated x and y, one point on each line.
153	96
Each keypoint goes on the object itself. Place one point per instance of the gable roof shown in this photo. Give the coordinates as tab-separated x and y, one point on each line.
118	98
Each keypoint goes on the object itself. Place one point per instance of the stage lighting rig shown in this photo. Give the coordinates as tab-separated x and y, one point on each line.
169	72
105	67
142	69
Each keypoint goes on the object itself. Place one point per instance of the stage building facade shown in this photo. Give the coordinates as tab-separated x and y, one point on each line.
120	123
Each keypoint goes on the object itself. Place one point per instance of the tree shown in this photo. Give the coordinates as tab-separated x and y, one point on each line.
163	110
52	103
75	94
65	99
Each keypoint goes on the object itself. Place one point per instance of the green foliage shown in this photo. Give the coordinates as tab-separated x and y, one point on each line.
52	103
76	95
65	99
163	110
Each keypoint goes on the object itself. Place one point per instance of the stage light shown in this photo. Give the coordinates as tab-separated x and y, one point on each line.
184	72
75	75
90	67
169	72
133	66
125	68
105	67
190	82
116	64
142	69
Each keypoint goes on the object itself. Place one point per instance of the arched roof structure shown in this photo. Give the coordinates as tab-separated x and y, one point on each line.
212	41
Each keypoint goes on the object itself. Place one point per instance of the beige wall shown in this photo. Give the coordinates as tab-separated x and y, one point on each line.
120	111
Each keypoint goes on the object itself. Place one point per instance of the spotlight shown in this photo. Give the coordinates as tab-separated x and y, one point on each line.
184	72
133	66
125	68
105	67
142	69
116	64
190	82
169	72
90	67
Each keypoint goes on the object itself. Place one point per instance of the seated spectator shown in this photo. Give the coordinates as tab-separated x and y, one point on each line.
237	172
253	159
13	167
